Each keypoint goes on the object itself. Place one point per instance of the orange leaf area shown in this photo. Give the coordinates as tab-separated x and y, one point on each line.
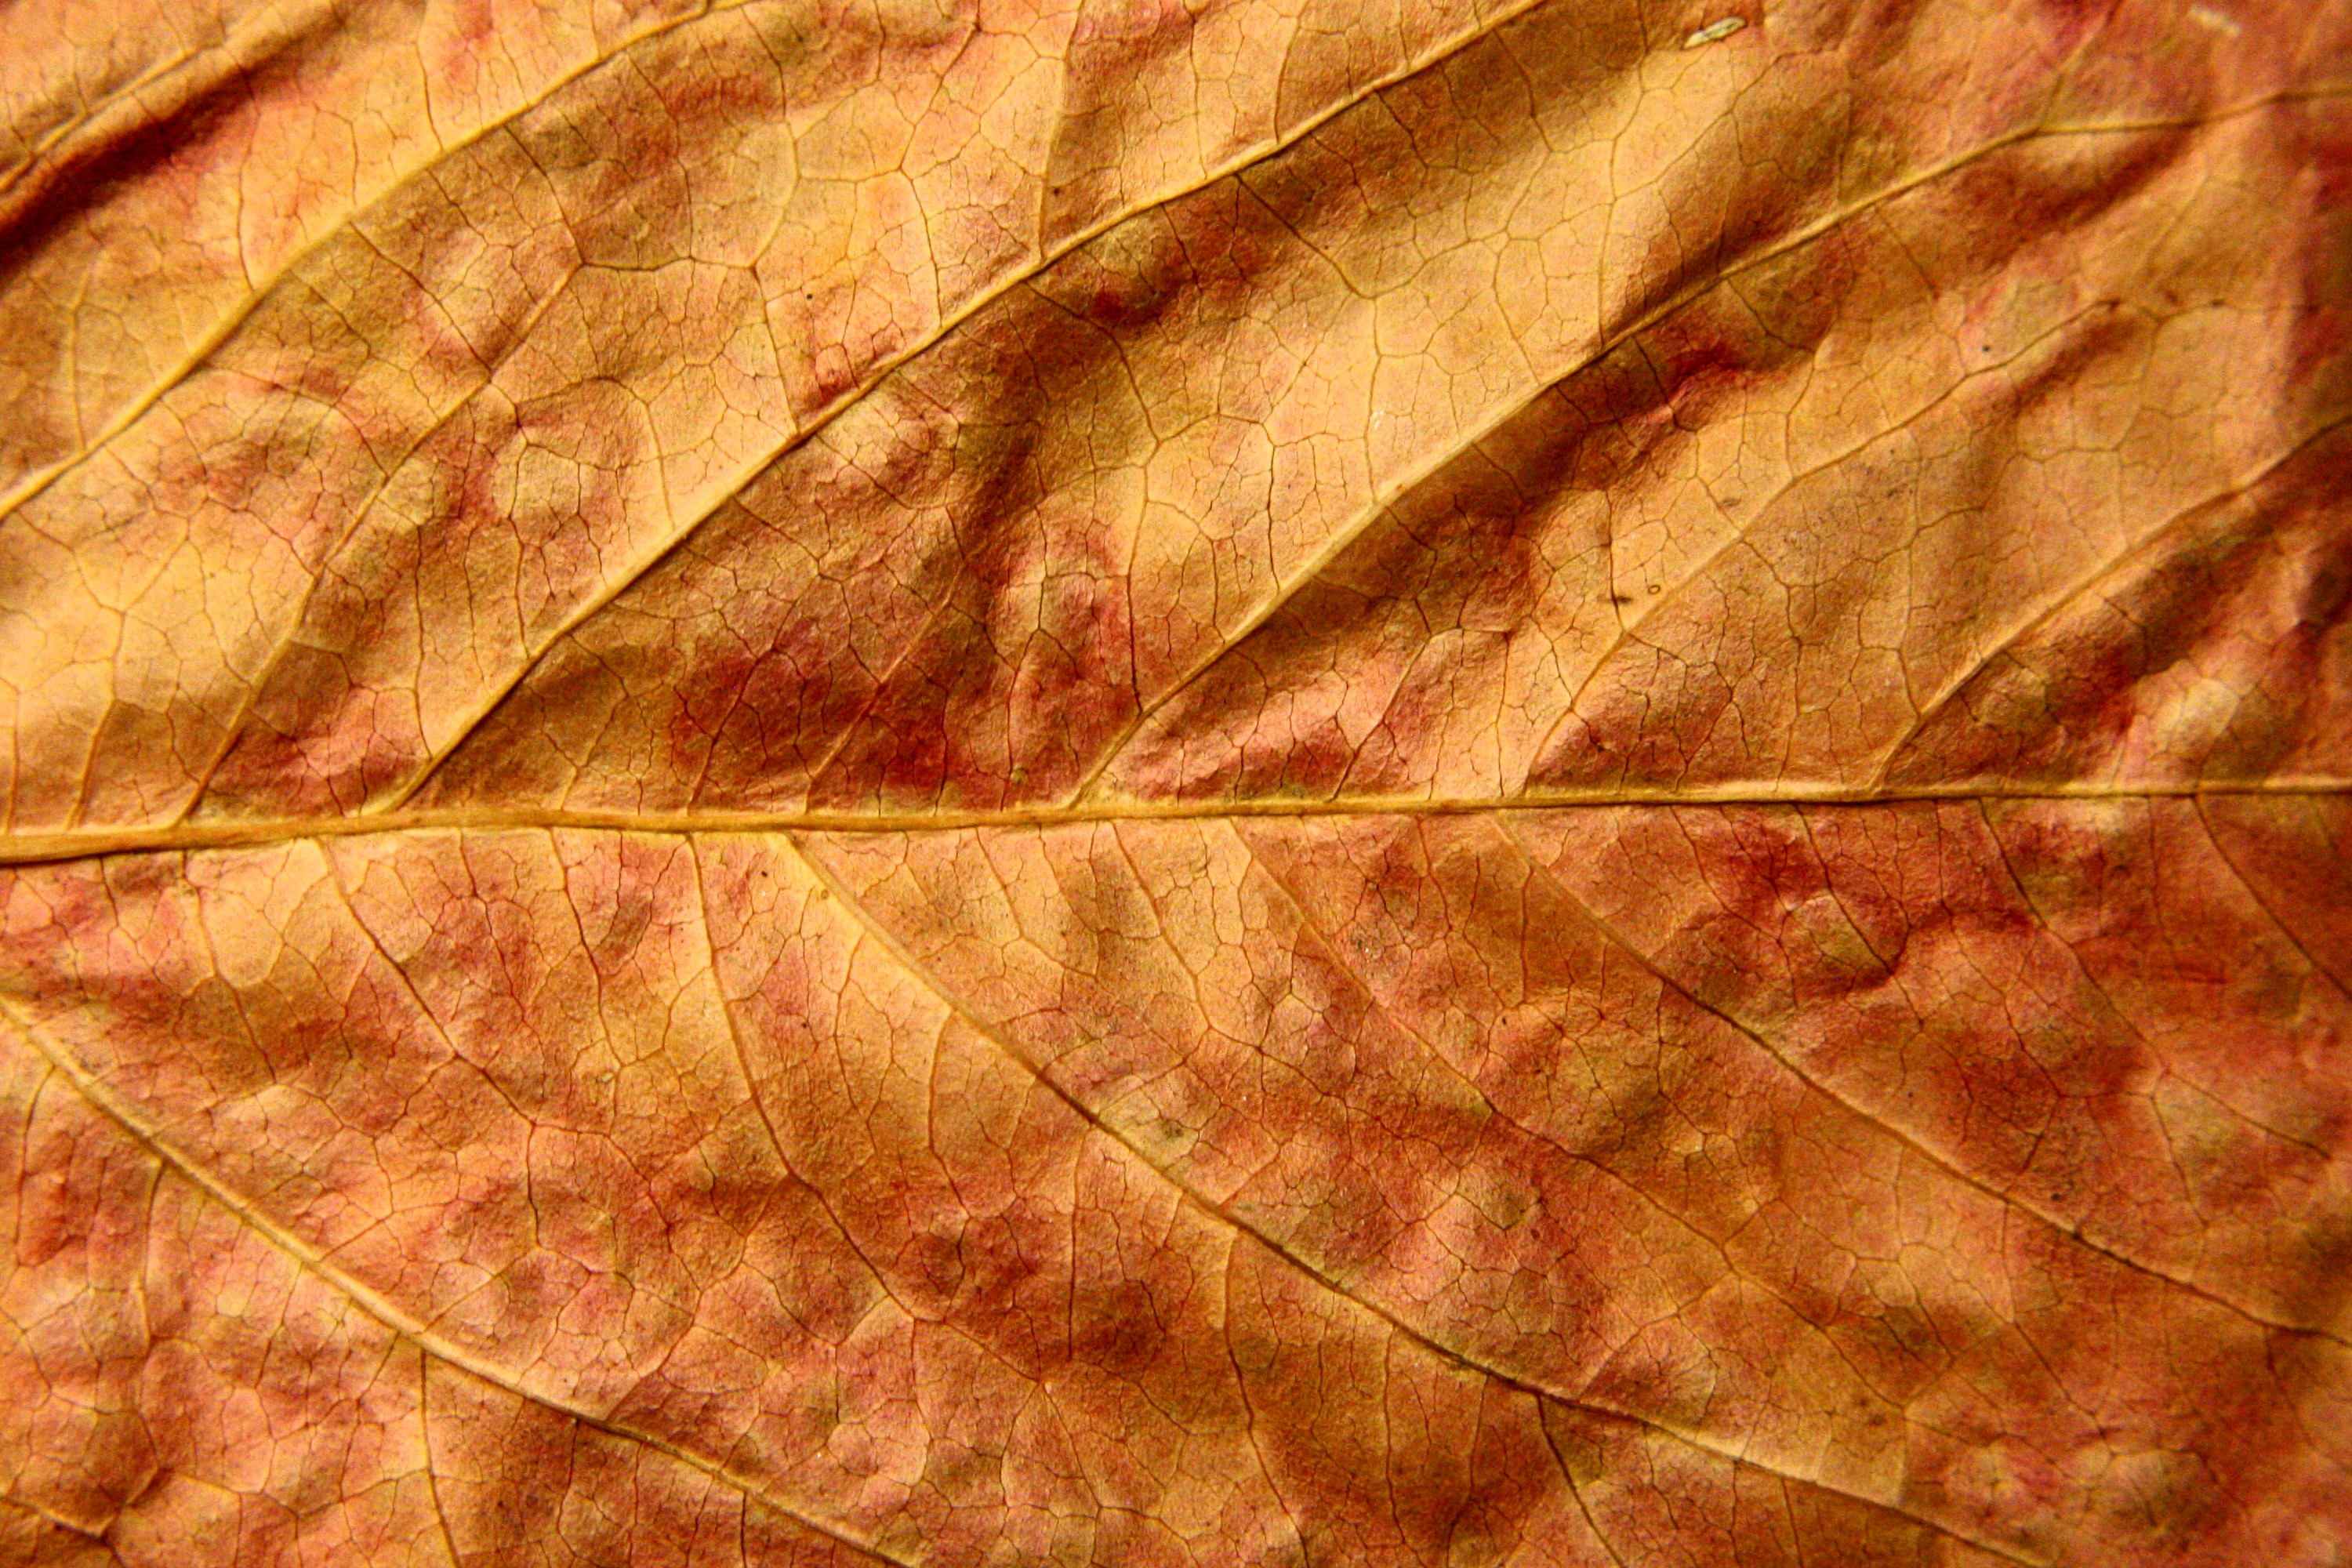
1249	781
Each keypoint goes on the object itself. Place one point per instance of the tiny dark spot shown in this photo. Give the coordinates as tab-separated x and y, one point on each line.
1621	598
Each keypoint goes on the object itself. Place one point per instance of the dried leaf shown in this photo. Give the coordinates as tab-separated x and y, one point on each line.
1262	782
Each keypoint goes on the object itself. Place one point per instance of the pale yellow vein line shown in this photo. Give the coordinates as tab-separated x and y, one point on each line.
1923	1151
856	911
424	1446
1663	1205
2099	572
39	479
48	149
1249	1405
1390	495
2217	1090
236	51
851	398
758	1096
1629	629
102	1097
2279	922
297	618
233	833
1576	1492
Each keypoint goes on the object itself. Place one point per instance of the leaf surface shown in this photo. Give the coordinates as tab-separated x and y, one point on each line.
1274	782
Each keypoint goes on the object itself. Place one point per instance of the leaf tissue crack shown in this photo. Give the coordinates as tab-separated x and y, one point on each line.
1132	782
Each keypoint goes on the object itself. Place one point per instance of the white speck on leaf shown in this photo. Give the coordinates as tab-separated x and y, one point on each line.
1722	28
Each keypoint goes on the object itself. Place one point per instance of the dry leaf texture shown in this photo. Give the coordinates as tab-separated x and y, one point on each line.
1176	781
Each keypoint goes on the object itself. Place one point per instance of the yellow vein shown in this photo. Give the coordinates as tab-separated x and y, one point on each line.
2295	938
425	1445
71	126
1386	498
103	1099
1577	1491
1948	1168
854	397
2057	603
236	52
921	973
39	479
233	833
1629	629
298	616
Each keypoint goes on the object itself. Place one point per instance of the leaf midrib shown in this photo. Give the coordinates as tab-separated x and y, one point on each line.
32	848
